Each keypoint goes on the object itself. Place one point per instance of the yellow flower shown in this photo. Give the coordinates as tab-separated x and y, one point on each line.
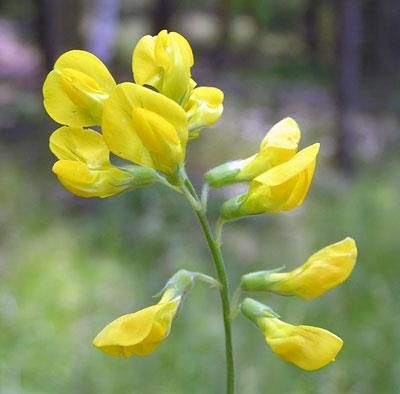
282	188
145	127
75	91
84	166
325	269
164	62
278	146
307	347
139	333
203	108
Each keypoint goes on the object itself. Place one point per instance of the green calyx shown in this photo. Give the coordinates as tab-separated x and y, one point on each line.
224	174
260	280
181	282
255	310
141	176
230	209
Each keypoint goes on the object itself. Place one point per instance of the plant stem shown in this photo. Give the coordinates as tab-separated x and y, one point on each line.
224	293
216	254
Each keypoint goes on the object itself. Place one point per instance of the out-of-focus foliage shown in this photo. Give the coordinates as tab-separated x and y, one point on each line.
69	266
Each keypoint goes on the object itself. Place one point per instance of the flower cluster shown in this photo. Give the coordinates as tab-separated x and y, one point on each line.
147	124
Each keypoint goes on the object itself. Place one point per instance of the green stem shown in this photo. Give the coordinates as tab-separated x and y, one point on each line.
224	293
215	251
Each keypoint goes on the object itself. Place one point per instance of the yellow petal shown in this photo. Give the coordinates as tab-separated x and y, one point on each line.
278	146
307	347
75	91
154	129
184	47
80	180
126	331
75	143
126	137
284	172
284	134
203	108
164	62
89	64
138	333
84	167
172	56
283	187
160	138
145	69
323	271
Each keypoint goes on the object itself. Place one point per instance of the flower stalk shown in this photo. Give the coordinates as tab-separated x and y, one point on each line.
215	250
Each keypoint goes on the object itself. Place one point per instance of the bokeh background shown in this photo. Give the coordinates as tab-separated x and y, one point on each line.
68	265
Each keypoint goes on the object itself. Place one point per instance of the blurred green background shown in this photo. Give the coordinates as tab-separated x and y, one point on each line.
68	266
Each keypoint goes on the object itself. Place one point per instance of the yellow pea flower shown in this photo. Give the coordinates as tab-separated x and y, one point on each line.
164	62
75	91
84	166
307	347
203	108
282	188
145	127
278	146
139	333
324	270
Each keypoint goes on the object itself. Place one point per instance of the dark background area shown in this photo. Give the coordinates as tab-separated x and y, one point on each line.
69	265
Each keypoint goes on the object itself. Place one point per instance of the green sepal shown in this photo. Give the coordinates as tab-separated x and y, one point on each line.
183	280
224	174
254	310
258	281
230	209
180	282
140	175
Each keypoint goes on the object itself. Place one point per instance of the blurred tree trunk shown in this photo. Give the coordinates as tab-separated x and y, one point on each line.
348	76
162	13
382	43
103	26
58	27
370	50
311	29
223	47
